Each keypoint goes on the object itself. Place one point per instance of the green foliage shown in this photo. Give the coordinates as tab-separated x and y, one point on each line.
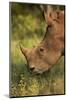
26	21
28	27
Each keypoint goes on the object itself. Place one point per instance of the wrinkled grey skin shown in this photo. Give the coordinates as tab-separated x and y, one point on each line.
51	48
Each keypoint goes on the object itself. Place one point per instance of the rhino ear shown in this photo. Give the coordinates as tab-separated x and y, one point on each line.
49	9
47	13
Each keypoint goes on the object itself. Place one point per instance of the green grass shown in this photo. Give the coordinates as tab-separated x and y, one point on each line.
25	84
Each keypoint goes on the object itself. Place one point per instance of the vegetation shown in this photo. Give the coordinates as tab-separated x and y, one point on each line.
28	27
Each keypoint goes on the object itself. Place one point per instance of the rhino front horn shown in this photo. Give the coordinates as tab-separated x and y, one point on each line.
25	51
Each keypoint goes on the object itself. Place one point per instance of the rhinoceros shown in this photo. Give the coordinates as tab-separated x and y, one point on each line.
42	57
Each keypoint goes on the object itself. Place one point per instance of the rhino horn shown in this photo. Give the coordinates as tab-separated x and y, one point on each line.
25	51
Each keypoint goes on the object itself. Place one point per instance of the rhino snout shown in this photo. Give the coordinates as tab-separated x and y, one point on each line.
32	69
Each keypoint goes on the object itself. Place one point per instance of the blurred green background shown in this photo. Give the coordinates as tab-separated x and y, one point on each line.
27	26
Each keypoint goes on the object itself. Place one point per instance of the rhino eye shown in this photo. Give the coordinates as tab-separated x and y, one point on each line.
41	49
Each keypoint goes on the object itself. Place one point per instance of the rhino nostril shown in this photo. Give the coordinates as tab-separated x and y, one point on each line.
32	68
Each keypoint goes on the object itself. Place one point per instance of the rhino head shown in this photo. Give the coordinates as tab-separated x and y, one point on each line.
51	48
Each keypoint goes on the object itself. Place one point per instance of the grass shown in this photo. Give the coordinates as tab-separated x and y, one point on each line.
25	84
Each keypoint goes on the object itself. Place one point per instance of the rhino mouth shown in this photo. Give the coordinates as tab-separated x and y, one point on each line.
39	72
36	71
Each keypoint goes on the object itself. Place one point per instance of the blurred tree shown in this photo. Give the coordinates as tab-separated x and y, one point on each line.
27	19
